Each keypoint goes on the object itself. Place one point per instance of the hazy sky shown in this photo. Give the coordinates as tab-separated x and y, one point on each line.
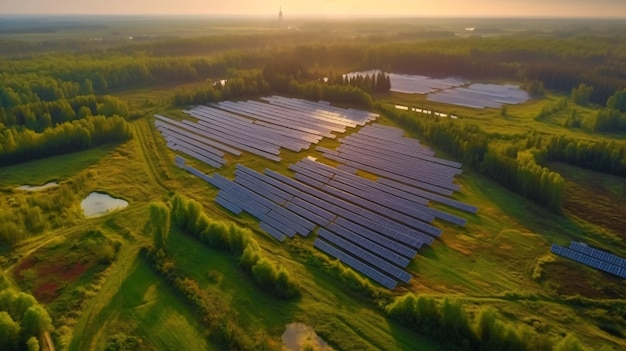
455	8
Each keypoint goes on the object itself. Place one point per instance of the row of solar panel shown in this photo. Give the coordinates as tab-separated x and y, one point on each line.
183	137
219	138
356	264
200	136
428	195
402	179
291	142
293	113
382	134
342	173
359	117
392	168
312	119
367	134
588	260
389	153
370	245
219	141
249	130
210	113
363	255
388	134
369	190
288	123
599	254
193	146
397	145
337	198
374	236
320	206
254	146
401	201
351	114
193	154
280	219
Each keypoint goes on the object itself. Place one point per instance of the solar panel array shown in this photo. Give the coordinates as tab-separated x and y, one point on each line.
592	257
375	227
401	163
260	128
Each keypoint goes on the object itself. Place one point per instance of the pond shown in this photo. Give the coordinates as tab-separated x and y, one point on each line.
299	336
98	204
37	187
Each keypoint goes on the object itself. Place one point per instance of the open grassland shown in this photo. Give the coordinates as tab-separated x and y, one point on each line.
500	259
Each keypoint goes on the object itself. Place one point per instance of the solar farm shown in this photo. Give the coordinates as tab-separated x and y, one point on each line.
481	95
454	91
374	226
592	257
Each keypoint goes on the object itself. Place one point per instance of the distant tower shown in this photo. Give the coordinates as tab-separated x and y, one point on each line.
280	14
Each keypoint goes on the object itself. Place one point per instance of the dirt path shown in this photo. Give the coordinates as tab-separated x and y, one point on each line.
48	344
93	313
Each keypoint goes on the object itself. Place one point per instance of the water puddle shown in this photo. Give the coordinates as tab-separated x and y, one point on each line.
301	337
99	204
37	187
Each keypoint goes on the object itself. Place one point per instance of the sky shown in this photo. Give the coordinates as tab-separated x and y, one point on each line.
328	8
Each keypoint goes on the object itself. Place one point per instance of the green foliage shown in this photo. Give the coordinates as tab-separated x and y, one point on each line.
448	322
581	94
23	145
122	342
552	108
350	278
21	319
214	313
9	332
617	101
569	343
606	120
160	222
32	344
606	157
534	87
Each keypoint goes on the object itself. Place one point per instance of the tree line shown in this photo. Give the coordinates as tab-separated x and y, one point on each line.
25	145
245	83
448	322
40	115
22	320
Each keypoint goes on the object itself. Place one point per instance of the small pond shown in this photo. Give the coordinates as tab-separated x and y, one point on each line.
37	187
299	336
98	204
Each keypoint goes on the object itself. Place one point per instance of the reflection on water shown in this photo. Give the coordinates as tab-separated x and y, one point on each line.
98	204
37	187
300	337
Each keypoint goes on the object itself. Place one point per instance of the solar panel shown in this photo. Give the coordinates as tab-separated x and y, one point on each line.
356	264
370	245
588	260
365	256
275	233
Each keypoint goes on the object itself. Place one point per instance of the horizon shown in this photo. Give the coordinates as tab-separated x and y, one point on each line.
615	9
